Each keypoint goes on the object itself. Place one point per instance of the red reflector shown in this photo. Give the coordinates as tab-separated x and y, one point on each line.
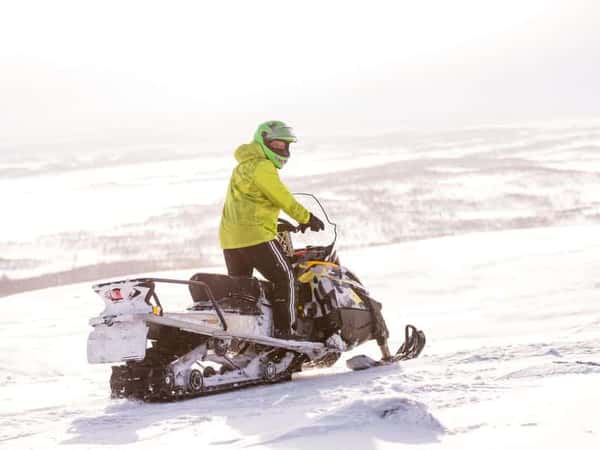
115	294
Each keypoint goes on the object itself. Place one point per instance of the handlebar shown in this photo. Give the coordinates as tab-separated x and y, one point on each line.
283	226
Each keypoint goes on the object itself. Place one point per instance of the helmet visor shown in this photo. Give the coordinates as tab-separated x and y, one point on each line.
281	133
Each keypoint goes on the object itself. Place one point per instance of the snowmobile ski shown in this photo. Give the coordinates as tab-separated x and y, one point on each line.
412	347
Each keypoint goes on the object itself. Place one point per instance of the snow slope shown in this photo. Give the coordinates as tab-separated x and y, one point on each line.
156	206
512	362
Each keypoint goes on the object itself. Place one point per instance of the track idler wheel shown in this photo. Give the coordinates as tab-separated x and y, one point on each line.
195	381
269	371
167	384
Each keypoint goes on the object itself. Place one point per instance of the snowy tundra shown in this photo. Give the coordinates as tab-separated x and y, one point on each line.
486	238
513	324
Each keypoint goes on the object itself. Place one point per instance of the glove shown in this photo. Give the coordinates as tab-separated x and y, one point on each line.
314	223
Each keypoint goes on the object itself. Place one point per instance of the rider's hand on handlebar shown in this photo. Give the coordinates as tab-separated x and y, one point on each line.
314	223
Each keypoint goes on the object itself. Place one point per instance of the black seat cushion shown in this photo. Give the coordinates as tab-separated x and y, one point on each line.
224	286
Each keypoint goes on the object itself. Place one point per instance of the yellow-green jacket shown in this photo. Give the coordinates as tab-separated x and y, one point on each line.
255	197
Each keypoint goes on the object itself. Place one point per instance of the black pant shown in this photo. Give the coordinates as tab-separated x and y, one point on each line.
268	258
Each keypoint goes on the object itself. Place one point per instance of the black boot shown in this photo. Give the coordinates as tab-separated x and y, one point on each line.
283	328
281	317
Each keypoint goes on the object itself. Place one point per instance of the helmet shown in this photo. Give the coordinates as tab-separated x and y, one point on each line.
275	130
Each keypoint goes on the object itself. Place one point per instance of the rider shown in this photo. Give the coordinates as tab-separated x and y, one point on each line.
248	229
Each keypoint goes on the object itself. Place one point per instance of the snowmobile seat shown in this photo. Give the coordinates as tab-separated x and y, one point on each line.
239	294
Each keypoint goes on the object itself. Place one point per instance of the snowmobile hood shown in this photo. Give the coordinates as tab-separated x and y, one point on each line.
246	152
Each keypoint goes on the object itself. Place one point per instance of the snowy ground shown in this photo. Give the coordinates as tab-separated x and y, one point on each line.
512	362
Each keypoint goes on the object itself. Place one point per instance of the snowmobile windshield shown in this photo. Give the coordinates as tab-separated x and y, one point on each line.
310	238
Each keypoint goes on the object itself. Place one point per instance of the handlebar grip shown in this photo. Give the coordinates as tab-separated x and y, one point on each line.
282	227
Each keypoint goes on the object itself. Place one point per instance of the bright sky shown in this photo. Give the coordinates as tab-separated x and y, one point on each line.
67	66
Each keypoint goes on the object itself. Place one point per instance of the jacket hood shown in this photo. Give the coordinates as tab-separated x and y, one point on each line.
246	152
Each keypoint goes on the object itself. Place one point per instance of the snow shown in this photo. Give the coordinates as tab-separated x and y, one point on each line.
508	298
512	361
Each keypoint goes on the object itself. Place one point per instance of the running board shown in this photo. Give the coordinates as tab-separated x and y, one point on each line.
311	349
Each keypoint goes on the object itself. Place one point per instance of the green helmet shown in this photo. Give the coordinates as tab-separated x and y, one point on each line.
274	130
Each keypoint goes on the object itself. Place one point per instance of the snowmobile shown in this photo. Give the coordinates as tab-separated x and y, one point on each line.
224	340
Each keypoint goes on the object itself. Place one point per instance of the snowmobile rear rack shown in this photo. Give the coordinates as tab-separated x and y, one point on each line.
201	284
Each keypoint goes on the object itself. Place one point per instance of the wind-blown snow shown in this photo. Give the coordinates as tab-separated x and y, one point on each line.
512	361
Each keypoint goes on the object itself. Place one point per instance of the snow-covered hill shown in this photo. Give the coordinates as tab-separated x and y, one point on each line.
113	208
512	362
